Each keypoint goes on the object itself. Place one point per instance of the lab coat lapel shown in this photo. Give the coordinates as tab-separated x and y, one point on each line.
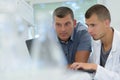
97	50
112	52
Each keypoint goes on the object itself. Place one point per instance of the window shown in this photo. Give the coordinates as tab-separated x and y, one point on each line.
78	6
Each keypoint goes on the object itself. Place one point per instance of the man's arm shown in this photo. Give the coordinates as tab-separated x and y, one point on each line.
82	56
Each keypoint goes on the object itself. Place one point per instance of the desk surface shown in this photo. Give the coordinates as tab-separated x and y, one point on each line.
45	74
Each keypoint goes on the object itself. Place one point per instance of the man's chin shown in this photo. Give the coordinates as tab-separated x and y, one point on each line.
63	39
95	39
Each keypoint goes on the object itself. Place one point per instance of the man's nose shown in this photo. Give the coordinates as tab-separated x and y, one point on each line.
89	30
63	28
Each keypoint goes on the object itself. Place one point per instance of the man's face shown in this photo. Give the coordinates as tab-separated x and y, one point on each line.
64	27
96	27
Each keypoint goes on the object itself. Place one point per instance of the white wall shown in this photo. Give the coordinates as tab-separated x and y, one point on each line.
114	8
45	1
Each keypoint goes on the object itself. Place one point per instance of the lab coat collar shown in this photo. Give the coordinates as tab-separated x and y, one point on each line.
115	35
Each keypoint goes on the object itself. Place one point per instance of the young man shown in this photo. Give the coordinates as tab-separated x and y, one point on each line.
106	47
74	38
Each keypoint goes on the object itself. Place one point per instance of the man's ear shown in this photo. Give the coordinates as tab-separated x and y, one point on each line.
75	22
107	22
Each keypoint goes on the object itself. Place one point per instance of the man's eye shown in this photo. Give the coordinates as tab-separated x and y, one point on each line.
92	25
58	25
67	24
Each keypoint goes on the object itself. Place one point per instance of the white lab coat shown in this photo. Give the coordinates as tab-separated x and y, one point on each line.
111	71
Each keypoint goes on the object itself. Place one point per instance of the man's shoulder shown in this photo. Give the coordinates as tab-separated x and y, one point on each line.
81	30
116	37
117	33
80	27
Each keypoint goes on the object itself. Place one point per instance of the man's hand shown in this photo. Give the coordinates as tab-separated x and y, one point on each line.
83	66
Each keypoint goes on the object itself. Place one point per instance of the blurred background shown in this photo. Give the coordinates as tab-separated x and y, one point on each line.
21	20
